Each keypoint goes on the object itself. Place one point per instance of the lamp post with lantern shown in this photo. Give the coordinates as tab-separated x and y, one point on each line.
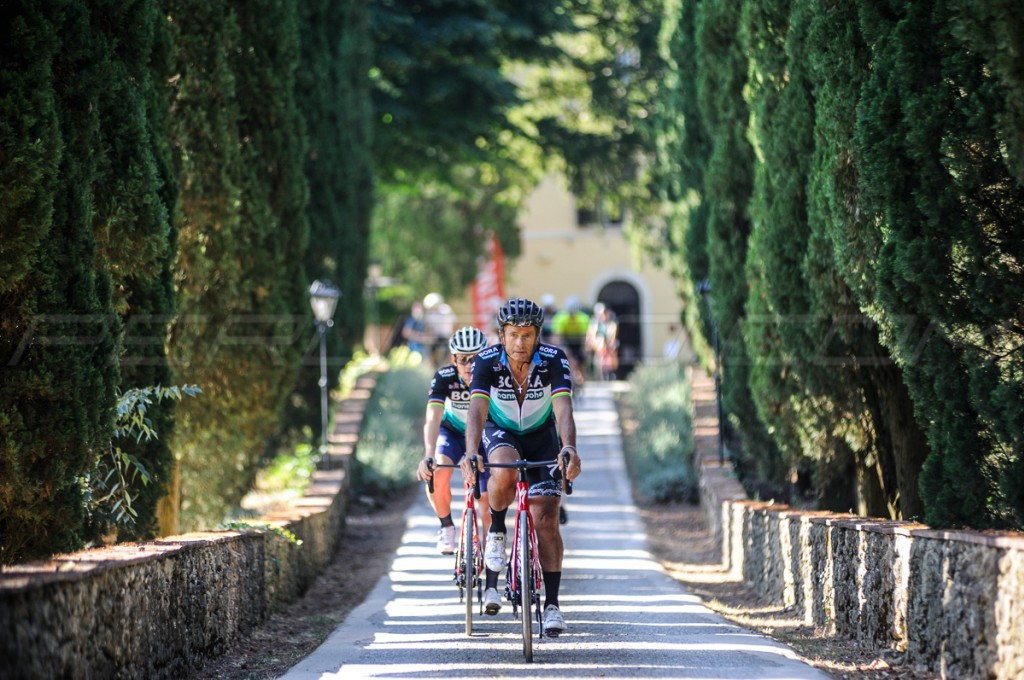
704	290
323	298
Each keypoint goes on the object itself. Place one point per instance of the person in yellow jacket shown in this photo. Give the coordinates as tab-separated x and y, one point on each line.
569	331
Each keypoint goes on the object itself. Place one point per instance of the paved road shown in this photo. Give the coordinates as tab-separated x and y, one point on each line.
626	618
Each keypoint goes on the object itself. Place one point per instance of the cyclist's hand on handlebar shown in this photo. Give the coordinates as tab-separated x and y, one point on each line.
574	465
425	470
466	465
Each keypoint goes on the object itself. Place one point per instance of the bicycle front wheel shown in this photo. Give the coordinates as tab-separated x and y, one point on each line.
525	583
469	566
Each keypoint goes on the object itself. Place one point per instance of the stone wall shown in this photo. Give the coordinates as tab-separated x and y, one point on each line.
159	609
948	602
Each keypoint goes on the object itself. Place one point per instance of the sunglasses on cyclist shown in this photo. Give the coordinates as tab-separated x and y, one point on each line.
464	359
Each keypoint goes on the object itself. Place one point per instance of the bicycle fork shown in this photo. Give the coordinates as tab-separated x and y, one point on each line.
534	585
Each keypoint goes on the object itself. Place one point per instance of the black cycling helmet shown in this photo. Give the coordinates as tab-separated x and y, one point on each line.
520	312
467	340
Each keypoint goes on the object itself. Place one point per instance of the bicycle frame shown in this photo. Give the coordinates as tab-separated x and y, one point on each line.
524	572
515	570
469	561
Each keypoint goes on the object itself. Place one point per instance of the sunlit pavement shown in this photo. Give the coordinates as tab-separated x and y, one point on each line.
625	617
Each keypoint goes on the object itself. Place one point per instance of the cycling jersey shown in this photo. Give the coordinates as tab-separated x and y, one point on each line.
447	389
547	379
570	326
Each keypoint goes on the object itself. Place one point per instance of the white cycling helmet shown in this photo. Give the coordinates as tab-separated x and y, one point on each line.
467	340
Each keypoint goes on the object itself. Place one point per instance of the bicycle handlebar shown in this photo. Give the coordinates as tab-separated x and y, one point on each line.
521	464
430	482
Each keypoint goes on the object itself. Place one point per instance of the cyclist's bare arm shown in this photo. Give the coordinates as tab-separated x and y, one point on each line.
431	428
566	422
475	421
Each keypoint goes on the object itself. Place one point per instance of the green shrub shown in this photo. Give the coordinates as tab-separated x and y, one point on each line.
391	439
661	450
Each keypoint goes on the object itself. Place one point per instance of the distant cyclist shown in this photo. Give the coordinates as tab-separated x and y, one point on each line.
521	407
569	330
444	432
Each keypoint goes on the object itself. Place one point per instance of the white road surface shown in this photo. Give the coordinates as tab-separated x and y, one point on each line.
626	618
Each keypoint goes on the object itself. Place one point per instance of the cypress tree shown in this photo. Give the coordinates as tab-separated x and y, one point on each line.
728	181
332	89
933	166
817	385
844	243
59	329
135	234
241	234
779	327
680	150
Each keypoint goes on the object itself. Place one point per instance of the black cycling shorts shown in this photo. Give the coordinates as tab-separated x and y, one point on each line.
542	444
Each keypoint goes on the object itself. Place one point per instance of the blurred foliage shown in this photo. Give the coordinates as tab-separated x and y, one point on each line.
391	436
660	450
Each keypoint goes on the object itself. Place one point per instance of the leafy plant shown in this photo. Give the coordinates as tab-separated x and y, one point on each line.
112	485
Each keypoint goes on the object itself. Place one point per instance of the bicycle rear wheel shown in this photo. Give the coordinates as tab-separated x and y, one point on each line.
469	566
525	583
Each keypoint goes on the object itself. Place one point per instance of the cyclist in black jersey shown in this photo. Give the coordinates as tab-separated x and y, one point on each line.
444	430
521	407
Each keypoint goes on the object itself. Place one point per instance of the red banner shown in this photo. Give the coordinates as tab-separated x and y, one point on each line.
488	289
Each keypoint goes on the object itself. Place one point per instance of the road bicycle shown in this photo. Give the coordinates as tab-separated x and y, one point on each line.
524	571
469	560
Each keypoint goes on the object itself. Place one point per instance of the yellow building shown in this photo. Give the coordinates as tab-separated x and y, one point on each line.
563	257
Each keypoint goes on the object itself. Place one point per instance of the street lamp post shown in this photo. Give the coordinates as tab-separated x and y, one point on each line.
323	298
704	288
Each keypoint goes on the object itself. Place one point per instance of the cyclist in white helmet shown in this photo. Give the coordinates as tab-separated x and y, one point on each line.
444	433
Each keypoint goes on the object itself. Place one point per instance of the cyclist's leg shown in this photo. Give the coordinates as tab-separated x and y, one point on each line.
501	489
500	447
449	451
485	515
441	500
545	499
451	446
545	519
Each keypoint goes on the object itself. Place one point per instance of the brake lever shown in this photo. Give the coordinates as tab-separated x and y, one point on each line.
566	482
476	477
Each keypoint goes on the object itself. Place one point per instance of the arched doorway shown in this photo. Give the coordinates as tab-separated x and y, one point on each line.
623	299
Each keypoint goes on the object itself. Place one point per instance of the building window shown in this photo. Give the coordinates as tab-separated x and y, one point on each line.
600	212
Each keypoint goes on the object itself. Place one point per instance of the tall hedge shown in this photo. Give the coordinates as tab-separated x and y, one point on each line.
137	240
242	231
837	412
780	331
728	183
679	149
332	90
949	281
57	293
873	235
